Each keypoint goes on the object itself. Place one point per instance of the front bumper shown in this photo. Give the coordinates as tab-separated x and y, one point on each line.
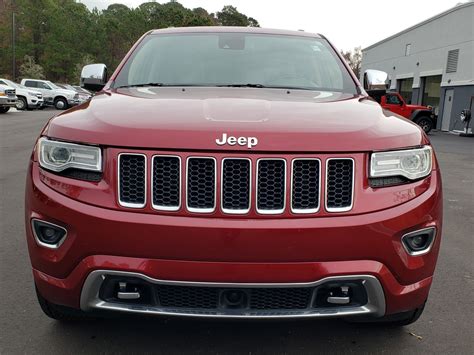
237	251
7	101
73	102
35	102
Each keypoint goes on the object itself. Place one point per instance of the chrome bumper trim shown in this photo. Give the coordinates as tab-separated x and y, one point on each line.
375	305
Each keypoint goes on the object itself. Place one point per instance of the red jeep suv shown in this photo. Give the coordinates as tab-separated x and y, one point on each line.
234	173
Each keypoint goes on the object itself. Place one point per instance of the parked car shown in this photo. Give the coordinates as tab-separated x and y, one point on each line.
7	98
26	97
83	97
87	94
233	173
53	95
421	115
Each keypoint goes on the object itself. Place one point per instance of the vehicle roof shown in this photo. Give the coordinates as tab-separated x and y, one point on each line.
227	29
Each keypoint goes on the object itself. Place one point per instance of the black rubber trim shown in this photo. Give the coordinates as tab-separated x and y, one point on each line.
388	181
78	174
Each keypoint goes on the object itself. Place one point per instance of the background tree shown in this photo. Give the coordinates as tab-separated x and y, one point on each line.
229	16
29	68
62	35
354	59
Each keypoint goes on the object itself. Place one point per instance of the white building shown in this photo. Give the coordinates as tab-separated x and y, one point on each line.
432	63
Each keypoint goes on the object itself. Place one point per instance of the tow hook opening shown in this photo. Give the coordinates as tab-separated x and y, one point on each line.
129	290
337	294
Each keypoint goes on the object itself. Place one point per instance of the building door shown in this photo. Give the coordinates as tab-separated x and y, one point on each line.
405	88
448	106
431	91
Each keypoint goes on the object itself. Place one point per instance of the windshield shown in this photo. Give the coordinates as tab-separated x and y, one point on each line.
11	83
53	85
236	59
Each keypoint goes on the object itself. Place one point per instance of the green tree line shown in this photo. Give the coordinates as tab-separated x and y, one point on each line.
55	38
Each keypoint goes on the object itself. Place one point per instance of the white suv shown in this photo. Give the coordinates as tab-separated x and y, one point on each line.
27	98
53	94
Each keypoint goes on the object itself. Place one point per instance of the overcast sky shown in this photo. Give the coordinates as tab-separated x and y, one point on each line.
346	23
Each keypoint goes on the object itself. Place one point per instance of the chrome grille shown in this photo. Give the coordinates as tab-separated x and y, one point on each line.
339	184
166	182
132	183
306	177
271	186
235	179
236	176
201	184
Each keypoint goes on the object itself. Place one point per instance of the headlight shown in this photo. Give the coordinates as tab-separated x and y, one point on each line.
58	156
411	163
32	93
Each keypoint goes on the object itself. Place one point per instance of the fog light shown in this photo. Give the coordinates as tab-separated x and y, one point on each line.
47	234
420	241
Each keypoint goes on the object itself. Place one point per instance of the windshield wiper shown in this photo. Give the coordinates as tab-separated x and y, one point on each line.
260	86
139	85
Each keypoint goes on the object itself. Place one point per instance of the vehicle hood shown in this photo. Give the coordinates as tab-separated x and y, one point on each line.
193	118
6	87
65	92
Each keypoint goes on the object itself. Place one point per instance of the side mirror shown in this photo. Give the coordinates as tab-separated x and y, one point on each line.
94	77
375	80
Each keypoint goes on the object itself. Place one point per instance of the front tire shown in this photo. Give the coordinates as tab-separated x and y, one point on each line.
21	104
61	313
426	123
60	103
4	109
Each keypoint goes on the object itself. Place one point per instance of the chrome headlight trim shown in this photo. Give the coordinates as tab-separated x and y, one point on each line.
411	163
84	157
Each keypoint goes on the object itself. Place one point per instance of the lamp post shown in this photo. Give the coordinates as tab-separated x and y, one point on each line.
13	47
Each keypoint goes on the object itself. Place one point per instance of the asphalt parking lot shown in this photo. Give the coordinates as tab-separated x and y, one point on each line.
447	325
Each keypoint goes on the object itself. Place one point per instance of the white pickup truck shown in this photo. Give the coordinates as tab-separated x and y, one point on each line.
27	98
53	95
7	98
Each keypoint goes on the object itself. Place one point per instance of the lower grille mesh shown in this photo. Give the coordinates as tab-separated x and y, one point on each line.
188	297
211	297
280	298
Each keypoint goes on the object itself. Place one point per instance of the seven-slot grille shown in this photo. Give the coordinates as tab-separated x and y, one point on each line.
199	177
